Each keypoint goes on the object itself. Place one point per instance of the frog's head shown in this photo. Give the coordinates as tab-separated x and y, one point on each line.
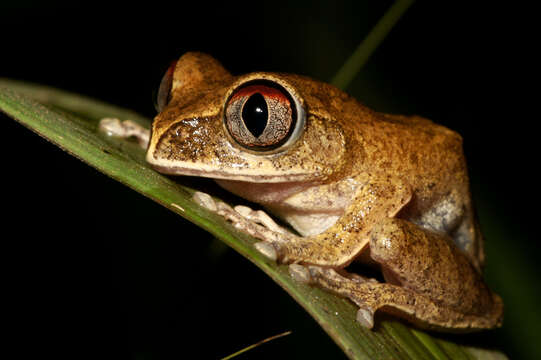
259	127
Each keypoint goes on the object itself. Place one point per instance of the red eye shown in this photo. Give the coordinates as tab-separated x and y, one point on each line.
260	115
164	92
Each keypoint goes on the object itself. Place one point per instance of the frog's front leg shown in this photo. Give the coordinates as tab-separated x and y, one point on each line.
342	242
125	129
430	281
339	244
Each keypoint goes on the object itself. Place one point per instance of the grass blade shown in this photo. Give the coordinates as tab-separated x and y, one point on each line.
366	48
248	348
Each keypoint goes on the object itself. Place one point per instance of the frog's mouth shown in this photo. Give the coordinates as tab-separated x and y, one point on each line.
230	174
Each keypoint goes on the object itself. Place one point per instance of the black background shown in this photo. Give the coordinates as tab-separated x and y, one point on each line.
92	268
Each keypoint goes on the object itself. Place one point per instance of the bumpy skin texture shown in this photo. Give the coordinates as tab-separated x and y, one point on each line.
390	190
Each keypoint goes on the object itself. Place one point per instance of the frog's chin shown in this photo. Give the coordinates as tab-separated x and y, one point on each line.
232	174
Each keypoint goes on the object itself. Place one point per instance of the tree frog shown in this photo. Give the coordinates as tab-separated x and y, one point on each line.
355	185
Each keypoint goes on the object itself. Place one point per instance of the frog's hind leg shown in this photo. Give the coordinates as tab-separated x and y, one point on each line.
430	263
372	296
429	281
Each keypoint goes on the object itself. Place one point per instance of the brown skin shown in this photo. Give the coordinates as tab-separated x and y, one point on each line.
356	184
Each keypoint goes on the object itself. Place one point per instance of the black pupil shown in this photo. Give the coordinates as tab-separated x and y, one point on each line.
255	114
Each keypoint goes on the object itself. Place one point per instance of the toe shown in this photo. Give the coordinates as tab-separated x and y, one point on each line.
300	273
267	249
365	317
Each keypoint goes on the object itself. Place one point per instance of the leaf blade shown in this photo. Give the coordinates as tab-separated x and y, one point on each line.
71	122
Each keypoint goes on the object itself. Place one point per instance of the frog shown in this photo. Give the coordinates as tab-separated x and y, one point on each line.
348	184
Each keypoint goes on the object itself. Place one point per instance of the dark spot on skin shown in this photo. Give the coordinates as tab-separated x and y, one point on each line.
413	158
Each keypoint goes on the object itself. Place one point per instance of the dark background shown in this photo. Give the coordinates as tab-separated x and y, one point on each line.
92	268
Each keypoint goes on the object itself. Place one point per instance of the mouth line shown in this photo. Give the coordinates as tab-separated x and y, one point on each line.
226	175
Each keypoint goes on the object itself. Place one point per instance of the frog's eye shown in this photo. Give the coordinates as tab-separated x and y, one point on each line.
263	116
164	91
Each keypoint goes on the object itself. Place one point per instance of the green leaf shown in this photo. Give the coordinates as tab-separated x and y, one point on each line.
71	122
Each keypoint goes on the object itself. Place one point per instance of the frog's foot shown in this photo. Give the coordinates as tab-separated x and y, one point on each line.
355	287
329	279
260	217
256	223
371	296
125	129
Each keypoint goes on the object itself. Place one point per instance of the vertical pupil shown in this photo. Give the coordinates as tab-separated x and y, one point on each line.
255	114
